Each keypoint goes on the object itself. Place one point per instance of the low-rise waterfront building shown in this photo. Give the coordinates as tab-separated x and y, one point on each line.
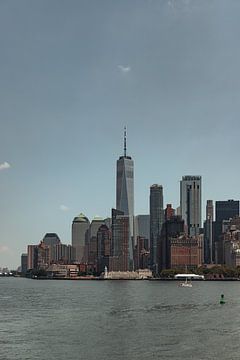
62	271
128	275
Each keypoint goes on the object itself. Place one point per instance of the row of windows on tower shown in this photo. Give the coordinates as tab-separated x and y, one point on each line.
194	186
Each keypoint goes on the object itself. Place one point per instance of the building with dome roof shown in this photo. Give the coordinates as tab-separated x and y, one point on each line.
80	228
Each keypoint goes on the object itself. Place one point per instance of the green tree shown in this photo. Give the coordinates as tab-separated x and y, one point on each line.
168	273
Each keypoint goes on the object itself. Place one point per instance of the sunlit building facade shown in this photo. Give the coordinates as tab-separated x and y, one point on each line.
80	227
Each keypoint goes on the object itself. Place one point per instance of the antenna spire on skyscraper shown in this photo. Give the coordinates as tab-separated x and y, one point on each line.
125	141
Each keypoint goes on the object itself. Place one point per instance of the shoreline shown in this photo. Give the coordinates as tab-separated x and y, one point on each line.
123	279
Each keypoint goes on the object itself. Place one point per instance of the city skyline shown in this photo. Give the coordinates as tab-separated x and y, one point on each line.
147	213
136	215
69	86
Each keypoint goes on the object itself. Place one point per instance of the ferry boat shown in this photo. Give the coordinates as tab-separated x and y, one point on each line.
189	276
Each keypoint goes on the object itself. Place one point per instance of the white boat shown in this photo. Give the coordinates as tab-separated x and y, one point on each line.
186	283
189	276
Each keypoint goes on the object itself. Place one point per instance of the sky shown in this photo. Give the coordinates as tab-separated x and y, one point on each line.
73	73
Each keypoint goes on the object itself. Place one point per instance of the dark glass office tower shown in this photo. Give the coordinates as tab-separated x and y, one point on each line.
209	248
171	228
224	210
156	222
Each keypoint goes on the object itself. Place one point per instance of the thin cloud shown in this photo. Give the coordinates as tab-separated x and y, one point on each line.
64	208
171	4
181	5
124	69
4	249
4	166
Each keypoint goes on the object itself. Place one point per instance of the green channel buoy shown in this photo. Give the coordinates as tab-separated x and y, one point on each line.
222	301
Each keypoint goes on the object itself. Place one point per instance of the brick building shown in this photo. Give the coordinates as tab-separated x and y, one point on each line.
186	252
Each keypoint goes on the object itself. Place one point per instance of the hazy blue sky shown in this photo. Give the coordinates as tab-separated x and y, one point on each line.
74	72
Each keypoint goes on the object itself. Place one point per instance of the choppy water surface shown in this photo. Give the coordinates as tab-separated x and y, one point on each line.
103	320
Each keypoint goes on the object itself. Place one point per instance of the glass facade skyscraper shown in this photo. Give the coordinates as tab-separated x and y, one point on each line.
227	209
125	192
156	222
224	210
125	184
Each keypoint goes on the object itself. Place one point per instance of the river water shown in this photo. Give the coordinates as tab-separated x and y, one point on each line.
101	320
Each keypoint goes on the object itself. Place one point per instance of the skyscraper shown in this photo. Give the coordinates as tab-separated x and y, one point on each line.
125	198
24	263
142	245
142	226
122	242
225	210
115	248
169	212
171	228
125	182
51	240
80	228
93	229
209	209
190	203
103	247
31	252
64	254
156	222
209	248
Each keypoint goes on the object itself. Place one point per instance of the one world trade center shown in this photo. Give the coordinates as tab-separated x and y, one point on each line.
125	182
125	203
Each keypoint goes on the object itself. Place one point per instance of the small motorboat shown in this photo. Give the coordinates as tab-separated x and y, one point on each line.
186	283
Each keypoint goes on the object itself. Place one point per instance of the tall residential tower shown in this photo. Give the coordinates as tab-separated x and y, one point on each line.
190	203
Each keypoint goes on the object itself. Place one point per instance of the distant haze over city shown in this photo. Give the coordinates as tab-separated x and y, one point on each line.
74	73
